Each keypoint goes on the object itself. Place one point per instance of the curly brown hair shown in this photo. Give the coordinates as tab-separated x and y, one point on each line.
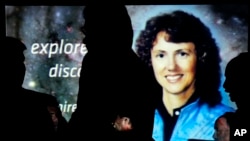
185	27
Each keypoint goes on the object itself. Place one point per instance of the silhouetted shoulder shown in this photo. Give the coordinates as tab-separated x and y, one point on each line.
42	98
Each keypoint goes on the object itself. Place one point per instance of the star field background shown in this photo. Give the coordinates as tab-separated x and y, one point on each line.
50	24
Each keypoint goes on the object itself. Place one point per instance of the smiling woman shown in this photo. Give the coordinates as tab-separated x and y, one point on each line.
167	56
185	60
174	66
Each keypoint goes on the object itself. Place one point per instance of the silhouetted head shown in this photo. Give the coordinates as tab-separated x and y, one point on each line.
237	76
15	67
107	28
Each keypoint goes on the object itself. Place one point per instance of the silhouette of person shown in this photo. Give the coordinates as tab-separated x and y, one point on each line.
231	123
60	124
186	64
114	82
28	113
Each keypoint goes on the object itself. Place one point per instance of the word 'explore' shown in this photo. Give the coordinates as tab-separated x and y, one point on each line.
58	48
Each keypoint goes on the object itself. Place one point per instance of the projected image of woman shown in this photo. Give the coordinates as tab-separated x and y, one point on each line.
186	63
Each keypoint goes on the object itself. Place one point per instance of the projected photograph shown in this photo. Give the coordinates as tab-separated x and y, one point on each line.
55	47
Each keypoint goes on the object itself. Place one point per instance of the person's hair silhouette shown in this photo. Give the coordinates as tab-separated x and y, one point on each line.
15	68
28	113
113	82
115	27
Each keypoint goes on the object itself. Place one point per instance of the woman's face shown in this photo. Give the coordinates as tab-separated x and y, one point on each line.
174	64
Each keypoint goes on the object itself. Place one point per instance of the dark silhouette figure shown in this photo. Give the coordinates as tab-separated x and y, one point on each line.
113	82
236	74
28	115
59	122
237	71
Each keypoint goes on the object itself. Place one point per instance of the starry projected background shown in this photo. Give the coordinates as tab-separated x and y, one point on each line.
55	49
